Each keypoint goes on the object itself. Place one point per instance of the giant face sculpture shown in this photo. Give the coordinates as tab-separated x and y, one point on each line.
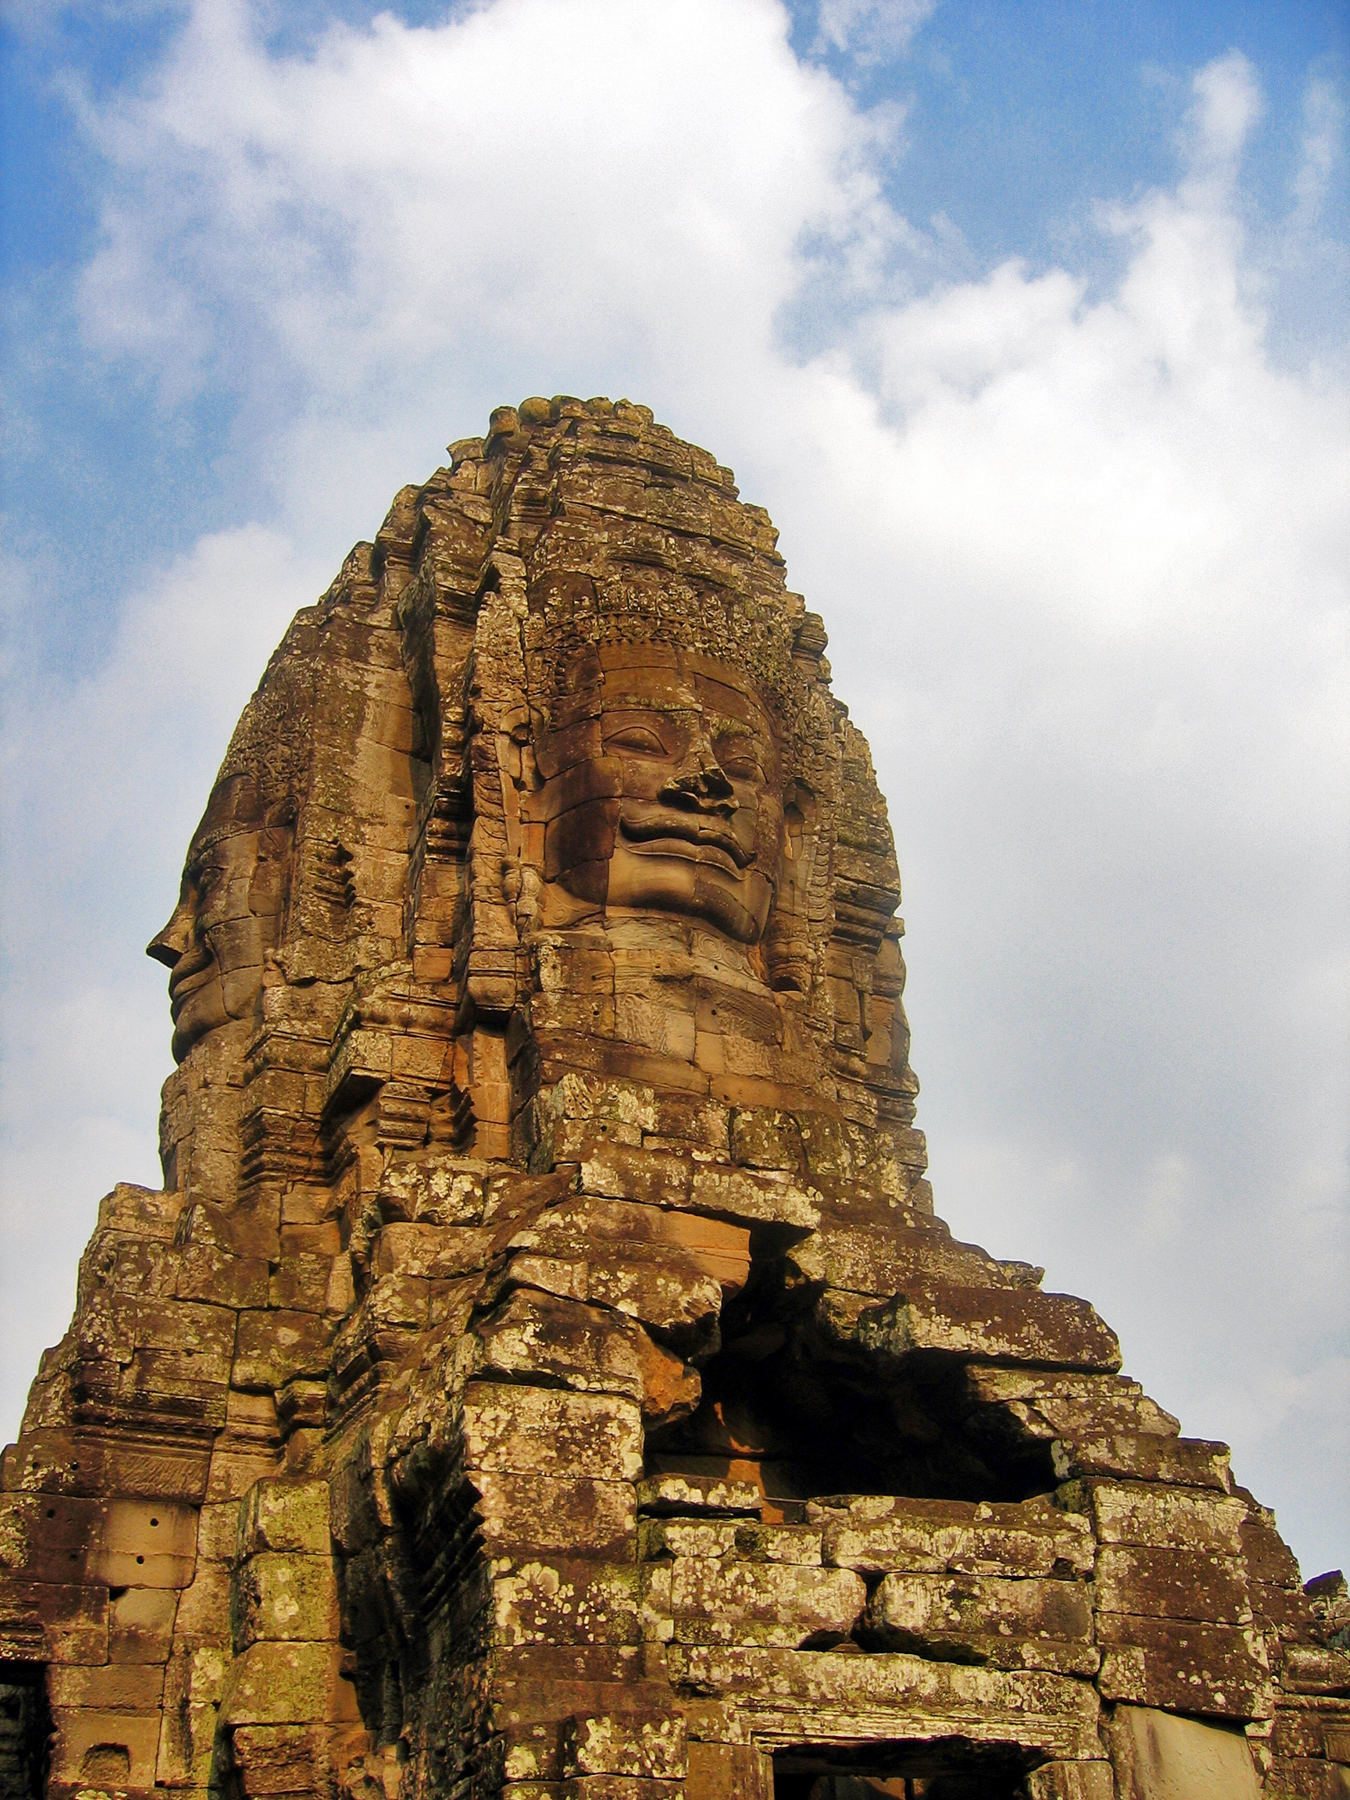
228	915
661	788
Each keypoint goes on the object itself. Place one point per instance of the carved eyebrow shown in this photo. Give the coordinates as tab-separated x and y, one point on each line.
722	727
641	703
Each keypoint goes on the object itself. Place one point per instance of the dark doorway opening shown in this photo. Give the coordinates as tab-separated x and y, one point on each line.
787	1405
25	1731
952	1769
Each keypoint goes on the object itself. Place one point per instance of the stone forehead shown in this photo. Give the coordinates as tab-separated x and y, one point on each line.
633	674
266	767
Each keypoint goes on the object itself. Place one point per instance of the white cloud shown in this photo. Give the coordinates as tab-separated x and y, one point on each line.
1082	554
873	30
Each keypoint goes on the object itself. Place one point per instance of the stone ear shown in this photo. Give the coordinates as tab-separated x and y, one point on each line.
788	949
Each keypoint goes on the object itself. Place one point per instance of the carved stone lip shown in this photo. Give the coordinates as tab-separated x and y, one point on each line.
183	977
658	829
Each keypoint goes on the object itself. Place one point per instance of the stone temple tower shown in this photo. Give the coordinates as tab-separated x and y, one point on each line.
542	1373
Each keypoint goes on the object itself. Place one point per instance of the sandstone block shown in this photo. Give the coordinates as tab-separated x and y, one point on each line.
144	1212
801	1694
1310	1669
1304	1779
753	1195
933	1614
280	1759
279	1596
1268	1557
712	1246
286	1515
1174	1584
437	1191
209	1272
665	1494
565	1601
671	1387
1071	1781
686	1537
144	1543
140	1625
625	1174
1178	1665
644	1744
779	1543
1164	1518
539	1514
62	1461
275	1346
864	1261
714	1601
102	1750
56	1622
1306	1727
584	1347
992	1324
434	1252
1070	1405
1034	1539
728	1772
288	1683
547	1431
1146	1456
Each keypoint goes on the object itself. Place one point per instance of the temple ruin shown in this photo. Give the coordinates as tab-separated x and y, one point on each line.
543	1373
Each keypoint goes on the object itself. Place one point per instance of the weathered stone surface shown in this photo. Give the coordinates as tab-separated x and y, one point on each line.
1197	1668
993	1325
1160	1757
790	1694
562	1600
1166	1518
653	1745
879	1534
715	1601
281	1597
976	1618
1175	1584
544	1372
547	1432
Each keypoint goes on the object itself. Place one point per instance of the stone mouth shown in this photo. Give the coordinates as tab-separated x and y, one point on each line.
660	831
190	973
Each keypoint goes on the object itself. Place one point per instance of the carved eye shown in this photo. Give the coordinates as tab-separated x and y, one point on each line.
638	738
739	762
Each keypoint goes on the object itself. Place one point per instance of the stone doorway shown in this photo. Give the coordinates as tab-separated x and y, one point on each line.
940	1771
25	1731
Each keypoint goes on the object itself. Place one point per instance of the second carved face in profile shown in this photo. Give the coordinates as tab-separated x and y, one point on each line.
661	789
228	915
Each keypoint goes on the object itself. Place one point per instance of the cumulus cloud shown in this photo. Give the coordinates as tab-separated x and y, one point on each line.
1081	552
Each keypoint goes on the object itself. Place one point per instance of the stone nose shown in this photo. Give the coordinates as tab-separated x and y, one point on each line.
701	783
168	945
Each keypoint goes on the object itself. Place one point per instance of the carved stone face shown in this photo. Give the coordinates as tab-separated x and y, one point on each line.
228	914
662	790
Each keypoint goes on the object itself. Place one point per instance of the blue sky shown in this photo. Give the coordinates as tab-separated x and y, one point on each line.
1027	322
